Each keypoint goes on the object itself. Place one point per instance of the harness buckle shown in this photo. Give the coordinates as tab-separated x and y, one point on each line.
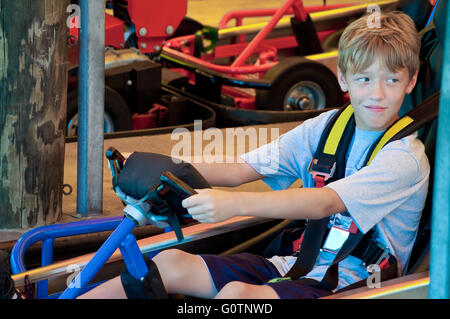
383	260
321	171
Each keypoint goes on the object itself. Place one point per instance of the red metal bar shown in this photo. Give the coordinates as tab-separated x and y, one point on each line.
259	44
242	99
278	43
299	11
246	69
248	51
239	15
234	49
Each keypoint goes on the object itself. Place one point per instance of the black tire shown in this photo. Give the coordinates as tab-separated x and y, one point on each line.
117	112
308	85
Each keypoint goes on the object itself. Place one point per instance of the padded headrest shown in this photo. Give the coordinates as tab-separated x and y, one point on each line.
142	172
418	11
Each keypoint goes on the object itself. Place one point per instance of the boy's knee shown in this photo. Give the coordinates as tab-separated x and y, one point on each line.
171	264
168	257
234	290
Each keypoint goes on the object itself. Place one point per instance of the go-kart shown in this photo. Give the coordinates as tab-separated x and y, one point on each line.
145	203
136	103
134	99
252	74
241	234
291	65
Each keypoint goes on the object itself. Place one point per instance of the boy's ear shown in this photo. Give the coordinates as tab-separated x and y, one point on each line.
342	81
412	83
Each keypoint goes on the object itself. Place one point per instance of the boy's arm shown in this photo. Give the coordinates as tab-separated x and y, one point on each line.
211	206
231	172
295	203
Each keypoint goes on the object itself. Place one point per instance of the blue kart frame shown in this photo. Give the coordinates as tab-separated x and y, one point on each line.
137	213
121	238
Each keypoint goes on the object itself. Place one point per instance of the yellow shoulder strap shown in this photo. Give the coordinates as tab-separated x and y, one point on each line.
337	131
393	130
339	126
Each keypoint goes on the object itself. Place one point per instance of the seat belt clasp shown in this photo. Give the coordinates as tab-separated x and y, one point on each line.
383	260
321	171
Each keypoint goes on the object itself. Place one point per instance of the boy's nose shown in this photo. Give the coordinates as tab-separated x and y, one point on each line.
377	92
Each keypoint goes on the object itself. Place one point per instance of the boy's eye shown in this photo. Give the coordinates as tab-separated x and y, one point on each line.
393	80
363	79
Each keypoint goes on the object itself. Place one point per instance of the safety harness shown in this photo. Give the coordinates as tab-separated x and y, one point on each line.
328	165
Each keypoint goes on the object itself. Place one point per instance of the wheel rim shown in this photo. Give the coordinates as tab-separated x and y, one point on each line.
304	95
72	126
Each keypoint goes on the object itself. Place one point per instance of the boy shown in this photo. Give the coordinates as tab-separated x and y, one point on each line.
377	66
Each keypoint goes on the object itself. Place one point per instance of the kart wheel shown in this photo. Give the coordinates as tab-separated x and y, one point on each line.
299	84
117	115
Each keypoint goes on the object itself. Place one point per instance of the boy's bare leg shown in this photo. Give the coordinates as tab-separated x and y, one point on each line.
181	273
241	290
112	289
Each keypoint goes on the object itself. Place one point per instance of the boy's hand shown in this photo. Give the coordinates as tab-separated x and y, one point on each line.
126	155
211	205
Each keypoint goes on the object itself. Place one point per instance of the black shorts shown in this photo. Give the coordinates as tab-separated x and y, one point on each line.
257	270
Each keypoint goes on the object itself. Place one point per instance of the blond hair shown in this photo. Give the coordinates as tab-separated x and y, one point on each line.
395	39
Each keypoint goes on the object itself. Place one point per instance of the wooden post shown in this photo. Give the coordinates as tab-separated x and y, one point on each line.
33	88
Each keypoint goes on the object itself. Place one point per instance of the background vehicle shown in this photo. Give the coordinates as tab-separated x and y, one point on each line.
248	74
292	82
251	74
134	99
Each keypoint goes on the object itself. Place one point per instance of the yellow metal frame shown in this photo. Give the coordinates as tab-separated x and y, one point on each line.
315	17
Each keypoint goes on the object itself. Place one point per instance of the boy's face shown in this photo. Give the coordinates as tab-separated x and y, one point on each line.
376	94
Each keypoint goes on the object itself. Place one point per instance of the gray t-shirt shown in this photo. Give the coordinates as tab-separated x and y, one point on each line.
389	194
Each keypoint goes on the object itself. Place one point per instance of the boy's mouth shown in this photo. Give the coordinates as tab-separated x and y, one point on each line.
375	108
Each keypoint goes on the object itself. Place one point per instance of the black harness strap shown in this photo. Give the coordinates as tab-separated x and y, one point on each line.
312	241
330	279
333	166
